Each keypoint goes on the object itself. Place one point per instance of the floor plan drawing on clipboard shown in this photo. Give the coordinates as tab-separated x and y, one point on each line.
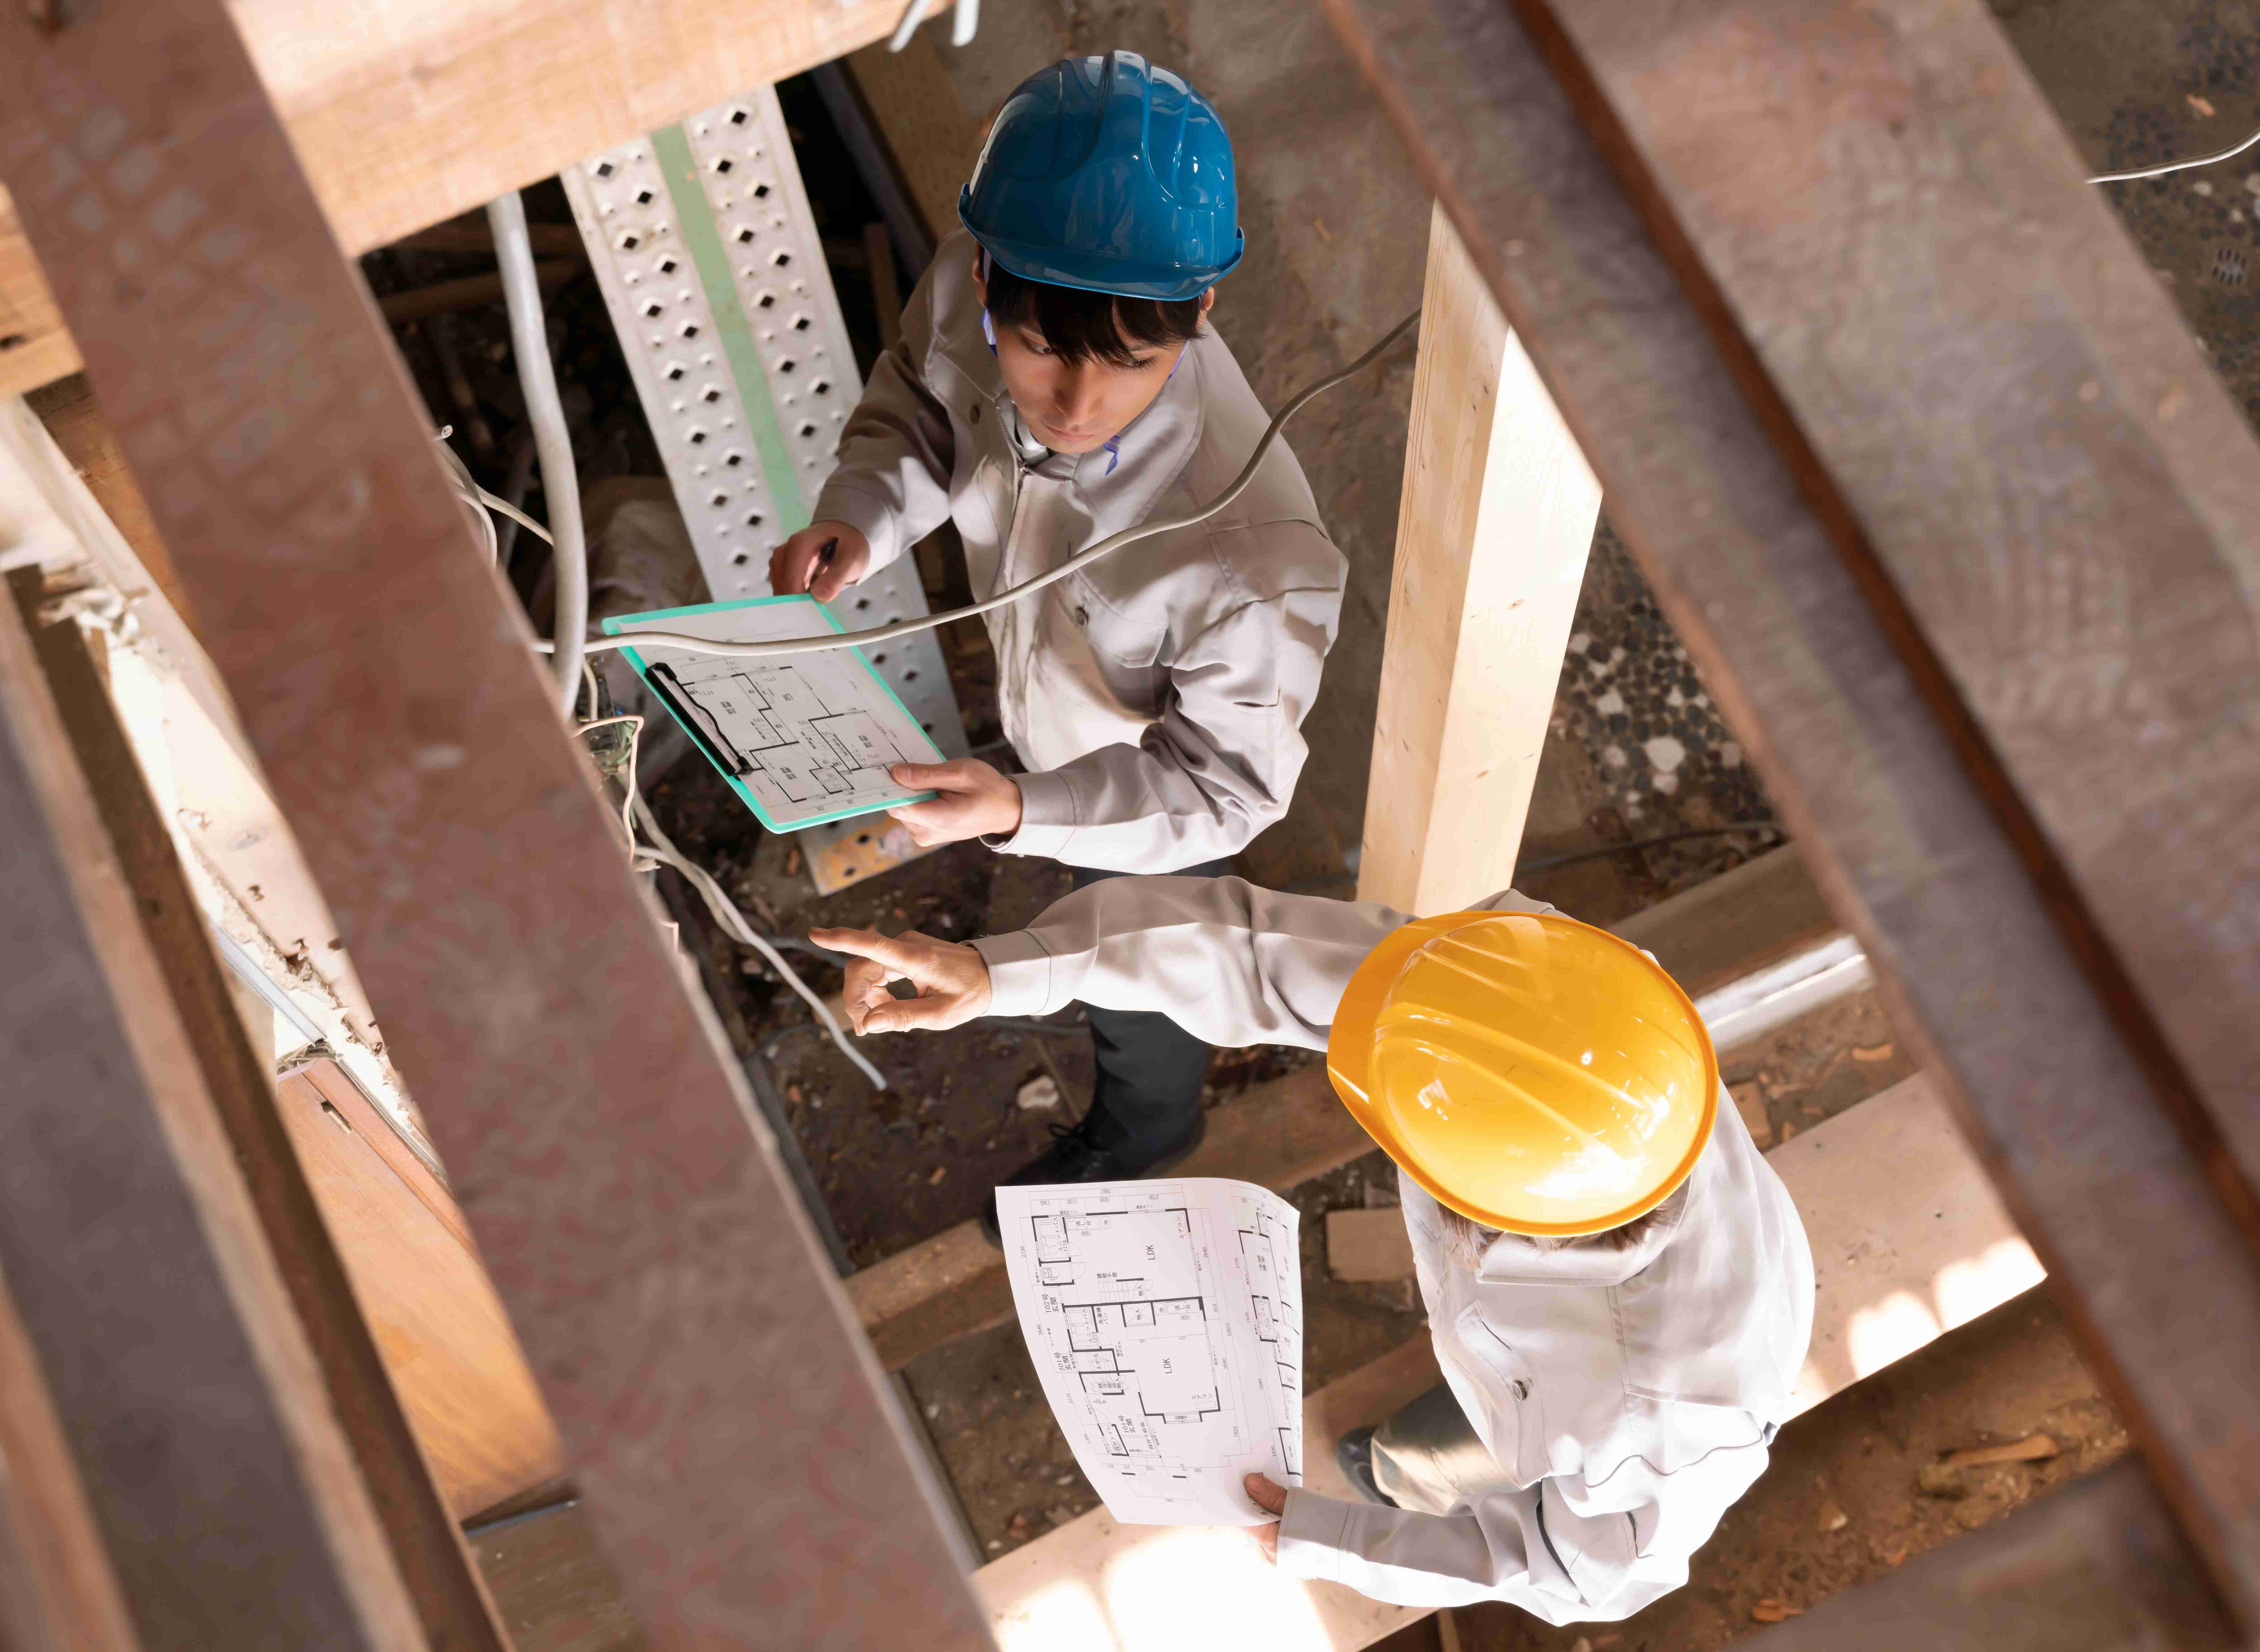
802	739
1165	1320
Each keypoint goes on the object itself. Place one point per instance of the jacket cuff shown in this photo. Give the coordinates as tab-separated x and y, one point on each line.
1313	1534
1019	975
868	514
1048	816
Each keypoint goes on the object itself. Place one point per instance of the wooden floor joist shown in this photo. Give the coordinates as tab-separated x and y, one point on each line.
1899	1259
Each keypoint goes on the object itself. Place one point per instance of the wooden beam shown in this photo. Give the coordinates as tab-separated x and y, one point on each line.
1893	1276
1497	513
725	1423
211	1461
1733	925
1883	782
35	347
2095	1567
2095	644
463	1382
413	112
64	1595
455	1613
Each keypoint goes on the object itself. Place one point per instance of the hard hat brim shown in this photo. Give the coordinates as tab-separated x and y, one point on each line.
1350	1048
1117	278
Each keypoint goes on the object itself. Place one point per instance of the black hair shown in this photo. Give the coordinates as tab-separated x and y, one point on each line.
1080	326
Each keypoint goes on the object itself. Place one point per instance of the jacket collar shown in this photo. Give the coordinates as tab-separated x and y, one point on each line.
1514	1259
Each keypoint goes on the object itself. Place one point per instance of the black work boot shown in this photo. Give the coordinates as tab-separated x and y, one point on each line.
1353	1454
1078	1154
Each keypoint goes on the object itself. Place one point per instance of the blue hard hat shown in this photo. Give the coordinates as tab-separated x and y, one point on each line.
1105	174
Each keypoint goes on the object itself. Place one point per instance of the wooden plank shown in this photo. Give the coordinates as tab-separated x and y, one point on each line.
556	1591
2098	631
412	111
418	1523
723	1420
65	1596
225	1491
1497	515
1735	924
35	347
1890	1277
72	416
463	1381
2096	1566
2000	1010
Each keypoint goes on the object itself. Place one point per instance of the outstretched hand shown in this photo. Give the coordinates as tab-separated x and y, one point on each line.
952	980
1271	1496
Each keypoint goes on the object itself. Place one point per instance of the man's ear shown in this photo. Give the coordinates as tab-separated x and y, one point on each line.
1208	303
981	277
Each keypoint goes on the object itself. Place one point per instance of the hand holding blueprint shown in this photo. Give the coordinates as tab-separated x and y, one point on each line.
802	738
1165	1319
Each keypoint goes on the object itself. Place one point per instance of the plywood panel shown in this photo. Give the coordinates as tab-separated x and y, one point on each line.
454	1360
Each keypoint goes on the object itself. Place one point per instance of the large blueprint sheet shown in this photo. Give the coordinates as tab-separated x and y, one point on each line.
1165	1319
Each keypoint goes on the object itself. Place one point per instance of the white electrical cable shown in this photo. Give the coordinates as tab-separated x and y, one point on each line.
734	925
559	485
470	492
2160	171
1113	542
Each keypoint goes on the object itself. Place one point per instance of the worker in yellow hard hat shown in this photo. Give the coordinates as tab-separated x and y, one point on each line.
1618	1287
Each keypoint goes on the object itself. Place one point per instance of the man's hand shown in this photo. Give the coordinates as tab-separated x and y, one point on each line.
1271	1498
977	800
800	564
952	980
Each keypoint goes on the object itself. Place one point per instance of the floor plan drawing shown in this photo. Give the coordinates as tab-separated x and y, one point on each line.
1165	1321
802	737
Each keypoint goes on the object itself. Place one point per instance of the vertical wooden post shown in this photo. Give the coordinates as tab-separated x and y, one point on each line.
1499	513
212	1465
434	1562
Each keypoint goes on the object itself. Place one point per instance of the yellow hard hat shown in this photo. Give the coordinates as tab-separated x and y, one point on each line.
1532	1073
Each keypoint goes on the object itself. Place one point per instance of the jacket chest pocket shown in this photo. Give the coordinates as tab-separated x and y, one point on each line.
1509	1413
1120	638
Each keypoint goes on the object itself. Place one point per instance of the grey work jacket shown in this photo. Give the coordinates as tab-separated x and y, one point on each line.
1156	697
1627	1397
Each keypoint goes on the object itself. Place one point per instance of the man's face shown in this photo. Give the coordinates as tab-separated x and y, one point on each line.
1078	409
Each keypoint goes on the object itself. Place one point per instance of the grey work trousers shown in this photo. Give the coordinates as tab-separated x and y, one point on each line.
1428	1456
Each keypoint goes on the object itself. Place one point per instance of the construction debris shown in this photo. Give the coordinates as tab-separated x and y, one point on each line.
1367	1244
1039	1095
1773	1612
2031	1448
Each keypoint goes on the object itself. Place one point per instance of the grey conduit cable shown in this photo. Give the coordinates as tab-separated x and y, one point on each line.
560	486
1113	542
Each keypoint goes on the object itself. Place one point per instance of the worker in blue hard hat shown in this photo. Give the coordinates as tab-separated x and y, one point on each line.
1057	382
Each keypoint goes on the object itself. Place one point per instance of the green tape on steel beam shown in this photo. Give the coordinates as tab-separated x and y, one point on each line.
702	238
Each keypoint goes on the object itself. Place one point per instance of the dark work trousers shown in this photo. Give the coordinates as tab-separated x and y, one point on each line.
1429	1457
1150	1070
